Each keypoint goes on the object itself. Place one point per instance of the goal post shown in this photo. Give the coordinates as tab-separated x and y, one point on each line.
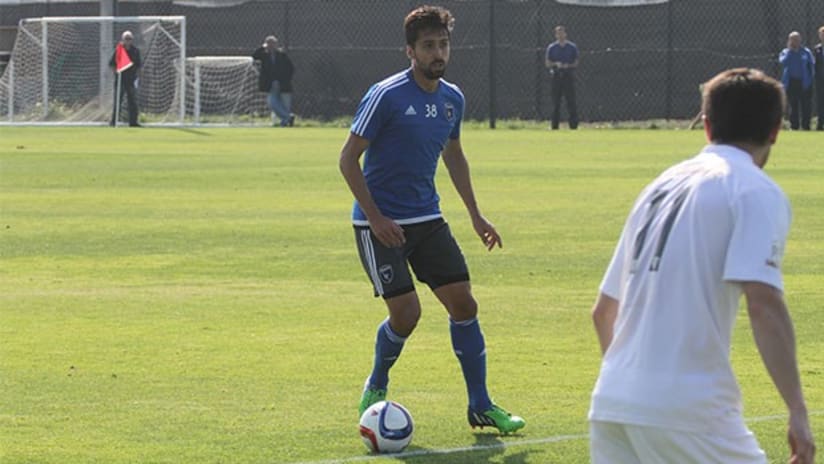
222	90
59	70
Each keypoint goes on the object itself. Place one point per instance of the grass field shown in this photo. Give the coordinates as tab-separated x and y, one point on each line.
195	296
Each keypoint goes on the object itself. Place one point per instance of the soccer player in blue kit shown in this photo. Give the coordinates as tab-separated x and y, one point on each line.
405	123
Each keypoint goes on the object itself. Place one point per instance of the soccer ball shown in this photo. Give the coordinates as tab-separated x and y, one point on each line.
386	427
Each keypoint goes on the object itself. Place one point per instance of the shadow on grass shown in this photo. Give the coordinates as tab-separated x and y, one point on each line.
189	130
488	448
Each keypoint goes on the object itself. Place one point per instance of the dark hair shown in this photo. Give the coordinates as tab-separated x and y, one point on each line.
743	105
426	17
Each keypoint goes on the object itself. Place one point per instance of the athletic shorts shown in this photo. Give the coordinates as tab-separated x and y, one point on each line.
430	249
615	443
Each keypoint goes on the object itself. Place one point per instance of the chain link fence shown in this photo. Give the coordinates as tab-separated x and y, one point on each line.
637	63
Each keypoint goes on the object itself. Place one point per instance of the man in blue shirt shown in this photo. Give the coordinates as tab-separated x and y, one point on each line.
797	78
562	59
405	123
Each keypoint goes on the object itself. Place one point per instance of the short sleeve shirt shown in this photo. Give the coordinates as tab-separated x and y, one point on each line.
694	234
407	129
567	53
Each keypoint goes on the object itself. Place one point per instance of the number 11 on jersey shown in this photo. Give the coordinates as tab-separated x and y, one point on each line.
654	210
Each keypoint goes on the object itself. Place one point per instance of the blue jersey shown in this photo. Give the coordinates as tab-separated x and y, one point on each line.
566	54
407	129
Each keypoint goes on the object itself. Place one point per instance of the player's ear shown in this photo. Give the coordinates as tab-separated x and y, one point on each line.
774	133
707	127
410	52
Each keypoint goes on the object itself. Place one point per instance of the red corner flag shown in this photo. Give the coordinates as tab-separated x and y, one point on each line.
122	61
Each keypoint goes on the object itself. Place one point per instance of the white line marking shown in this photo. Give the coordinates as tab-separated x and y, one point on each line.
503	445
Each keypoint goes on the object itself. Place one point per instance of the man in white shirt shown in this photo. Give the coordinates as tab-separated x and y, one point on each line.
706	231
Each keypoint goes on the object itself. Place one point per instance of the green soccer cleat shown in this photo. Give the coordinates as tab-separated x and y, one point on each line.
495	417
370	396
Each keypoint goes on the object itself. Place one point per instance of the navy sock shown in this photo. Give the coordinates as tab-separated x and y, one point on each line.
388	346
470	348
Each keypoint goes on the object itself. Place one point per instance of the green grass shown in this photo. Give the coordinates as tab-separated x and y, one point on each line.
195	296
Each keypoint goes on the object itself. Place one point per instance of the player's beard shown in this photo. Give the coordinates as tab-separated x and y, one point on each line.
433	73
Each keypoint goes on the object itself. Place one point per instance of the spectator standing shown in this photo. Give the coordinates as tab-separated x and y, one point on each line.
797	77
819	78
276	70
562	59
126	64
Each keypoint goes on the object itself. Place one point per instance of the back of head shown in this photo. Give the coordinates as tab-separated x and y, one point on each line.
743	106
426	18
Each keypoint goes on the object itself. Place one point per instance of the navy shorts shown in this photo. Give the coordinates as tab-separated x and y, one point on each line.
430	250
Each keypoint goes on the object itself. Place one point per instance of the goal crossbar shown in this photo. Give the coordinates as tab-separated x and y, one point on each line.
59	69
98	19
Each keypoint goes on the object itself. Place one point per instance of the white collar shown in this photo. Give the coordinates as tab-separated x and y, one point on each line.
729	152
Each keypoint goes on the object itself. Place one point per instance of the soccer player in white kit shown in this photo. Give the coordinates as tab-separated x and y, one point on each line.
706	231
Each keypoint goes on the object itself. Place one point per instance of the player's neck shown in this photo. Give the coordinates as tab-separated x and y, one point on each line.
428	85
758	153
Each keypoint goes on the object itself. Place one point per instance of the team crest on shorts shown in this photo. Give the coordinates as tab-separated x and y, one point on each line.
386	273
449	111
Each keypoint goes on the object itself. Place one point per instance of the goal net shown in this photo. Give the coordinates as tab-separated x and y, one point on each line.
59	70
223	90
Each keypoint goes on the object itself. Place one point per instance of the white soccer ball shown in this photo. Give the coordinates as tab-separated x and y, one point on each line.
386	427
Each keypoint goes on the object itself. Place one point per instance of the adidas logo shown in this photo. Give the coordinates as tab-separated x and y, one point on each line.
411	111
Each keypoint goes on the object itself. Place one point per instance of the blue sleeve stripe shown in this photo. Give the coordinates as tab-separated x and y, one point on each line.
372	104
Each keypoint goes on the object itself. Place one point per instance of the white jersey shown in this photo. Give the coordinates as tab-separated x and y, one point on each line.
694	233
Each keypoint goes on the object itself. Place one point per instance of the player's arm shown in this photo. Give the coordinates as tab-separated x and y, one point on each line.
455	161
773	331
604	313
386	230
605	309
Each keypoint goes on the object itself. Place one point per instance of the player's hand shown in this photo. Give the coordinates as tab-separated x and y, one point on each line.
800	437
485	230
388	232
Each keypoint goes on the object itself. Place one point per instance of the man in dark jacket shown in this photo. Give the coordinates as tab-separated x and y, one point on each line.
276	71
128	78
